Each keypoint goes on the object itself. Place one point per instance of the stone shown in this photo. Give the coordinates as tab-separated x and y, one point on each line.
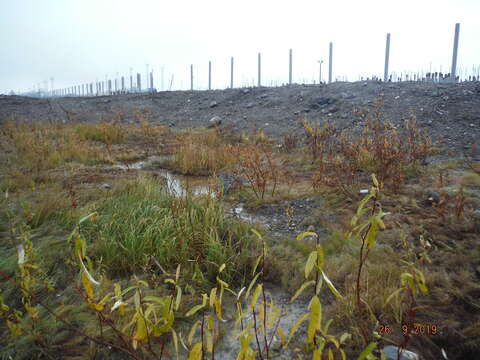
433	197
391	353
476	214
245	91
214	121
106	186
249	105
325	100
213	104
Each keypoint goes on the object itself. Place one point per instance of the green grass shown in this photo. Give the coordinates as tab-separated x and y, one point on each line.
141	219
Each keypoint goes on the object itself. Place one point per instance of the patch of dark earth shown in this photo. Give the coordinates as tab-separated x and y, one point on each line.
449	113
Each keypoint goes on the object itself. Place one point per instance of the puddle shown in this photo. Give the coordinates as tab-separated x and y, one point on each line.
177	185
181	185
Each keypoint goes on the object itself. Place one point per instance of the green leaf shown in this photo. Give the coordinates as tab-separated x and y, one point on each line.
367	351
345	337
256	233
302	288
312	259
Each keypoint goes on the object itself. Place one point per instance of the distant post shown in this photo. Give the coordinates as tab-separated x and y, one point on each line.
191	77
231	72
151	80
123	83
209	75
290	67
330	56
163	87
387	56
139	82
259	70
455	52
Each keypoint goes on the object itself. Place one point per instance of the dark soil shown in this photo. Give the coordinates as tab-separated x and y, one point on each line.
448	112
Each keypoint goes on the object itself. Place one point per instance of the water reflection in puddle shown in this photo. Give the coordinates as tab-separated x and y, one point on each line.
180	185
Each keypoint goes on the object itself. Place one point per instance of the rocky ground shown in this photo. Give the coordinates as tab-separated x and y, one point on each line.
449	112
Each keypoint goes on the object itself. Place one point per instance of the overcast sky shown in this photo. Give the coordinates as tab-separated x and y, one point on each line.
81	41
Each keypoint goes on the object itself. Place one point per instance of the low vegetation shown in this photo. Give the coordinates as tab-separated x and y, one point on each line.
101	262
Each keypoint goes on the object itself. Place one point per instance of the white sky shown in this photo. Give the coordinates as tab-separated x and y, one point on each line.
80	41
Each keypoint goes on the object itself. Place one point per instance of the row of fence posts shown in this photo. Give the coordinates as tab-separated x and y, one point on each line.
119	86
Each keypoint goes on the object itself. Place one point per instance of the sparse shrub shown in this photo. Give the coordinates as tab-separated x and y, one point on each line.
380	148
257	166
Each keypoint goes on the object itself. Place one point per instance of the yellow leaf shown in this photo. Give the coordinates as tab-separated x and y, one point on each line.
320	256
179	298
305	234
196	352
175	341
213	296
312	259
330	354
141	330
367	351
177	274
191	333
372	233
247	293
330	286
222	267
255	296
87	285
281	334
302	288
296	326
315	319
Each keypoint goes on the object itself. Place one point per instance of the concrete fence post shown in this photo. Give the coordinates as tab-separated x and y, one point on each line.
139	82
330	57
387	56
191	77
290	67
231	72
259	70
455	53
209	75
